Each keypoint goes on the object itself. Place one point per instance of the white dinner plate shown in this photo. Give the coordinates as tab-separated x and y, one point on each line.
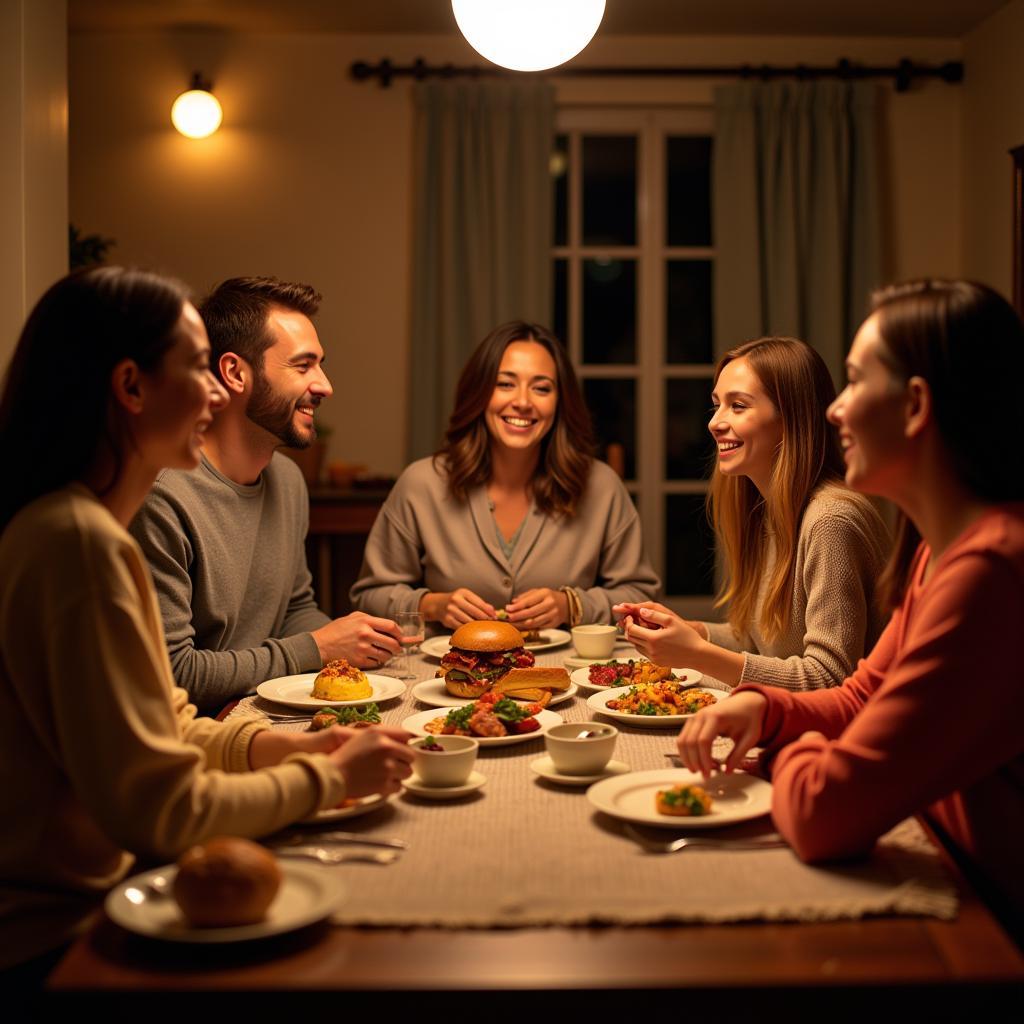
545	768
581	677
735	797
598	701
416	724
362	806
433	693
308	893
294	691
415	785
437	646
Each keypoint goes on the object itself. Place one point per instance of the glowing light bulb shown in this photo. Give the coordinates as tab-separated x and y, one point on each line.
196	113
528	35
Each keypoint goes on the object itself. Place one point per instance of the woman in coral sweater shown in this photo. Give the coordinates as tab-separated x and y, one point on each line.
930	721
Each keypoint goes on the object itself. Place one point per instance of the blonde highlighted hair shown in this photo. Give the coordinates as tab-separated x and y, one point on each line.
798	383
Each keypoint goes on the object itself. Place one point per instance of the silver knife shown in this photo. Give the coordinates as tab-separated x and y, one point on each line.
304	839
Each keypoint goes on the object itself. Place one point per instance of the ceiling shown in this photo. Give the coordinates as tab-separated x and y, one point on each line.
929	18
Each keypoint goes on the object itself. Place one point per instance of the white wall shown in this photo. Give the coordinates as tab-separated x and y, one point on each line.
310	178
33	158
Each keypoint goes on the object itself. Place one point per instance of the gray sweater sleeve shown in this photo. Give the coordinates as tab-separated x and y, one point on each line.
211	678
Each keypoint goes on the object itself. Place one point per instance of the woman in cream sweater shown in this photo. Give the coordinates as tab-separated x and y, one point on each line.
108	385
802	551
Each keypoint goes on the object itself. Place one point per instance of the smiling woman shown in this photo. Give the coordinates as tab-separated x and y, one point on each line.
513	512
802	551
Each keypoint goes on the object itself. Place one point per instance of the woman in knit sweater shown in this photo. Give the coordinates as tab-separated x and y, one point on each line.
802	551
108	755
930	721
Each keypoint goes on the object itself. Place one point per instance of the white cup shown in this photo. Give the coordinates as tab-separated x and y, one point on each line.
594	641
448	767
581	748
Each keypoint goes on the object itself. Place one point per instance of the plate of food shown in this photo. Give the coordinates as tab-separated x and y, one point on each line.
492	720
349	808
434	694
298	894
337	684
677	798
544	640
605	675
662	705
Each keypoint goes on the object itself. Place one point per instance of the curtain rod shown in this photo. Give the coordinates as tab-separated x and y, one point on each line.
902	73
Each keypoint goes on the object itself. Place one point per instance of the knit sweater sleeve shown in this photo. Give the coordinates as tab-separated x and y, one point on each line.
837	581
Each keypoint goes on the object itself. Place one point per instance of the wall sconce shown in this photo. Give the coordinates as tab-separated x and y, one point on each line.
528	35
196	113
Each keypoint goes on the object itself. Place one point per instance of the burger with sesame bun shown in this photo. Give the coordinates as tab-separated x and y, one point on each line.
487	655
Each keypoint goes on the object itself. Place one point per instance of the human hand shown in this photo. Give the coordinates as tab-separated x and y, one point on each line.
539	608
271	746
632	611
375	760
455	608
662	636
361	639
741	718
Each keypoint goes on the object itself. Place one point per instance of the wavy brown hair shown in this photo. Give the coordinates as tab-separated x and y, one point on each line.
798	384
567	448
956	335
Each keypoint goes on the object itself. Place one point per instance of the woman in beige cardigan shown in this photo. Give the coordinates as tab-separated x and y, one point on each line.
512	512
802	551
108	755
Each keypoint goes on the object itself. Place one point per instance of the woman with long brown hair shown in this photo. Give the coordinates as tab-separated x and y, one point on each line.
801	550
930	721
513	512
109	758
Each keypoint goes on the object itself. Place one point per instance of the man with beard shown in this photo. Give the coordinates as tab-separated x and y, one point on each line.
226	542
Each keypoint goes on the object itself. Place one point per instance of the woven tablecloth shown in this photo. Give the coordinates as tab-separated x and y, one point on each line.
524	852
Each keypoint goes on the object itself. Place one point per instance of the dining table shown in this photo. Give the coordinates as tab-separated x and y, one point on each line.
522	896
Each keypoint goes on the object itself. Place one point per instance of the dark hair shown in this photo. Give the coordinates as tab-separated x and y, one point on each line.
567	448
78	332
235	314
956	335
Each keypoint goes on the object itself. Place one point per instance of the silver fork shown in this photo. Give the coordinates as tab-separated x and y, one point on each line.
705	842
325	856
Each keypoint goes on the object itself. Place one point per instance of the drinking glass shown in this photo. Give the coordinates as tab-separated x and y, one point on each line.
411	626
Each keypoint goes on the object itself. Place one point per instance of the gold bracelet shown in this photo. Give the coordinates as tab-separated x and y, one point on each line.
575	605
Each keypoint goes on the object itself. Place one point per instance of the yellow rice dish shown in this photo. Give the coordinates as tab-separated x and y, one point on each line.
338	680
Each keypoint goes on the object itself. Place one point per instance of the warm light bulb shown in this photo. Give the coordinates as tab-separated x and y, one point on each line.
196	113
528	35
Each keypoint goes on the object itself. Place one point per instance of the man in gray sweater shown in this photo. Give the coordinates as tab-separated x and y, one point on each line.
226	542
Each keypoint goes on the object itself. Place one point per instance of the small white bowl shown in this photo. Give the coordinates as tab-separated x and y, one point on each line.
575	753
594	641
449	767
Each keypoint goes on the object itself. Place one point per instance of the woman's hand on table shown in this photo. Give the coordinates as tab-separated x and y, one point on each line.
375	760
272	746
740	718
540	608
454	608
363	640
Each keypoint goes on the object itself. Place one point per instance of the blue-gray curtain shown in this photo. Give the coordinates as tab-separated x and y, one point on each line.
797	218
482	246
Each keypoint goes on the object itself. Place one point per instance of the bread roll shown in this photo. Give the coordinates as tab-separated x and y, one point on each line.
226	882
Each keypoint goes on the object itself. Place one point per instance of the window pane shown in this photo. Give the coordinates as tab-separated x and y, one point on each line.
689	546
689	190
609	311
609	190
688	312
560	177
689	451
560	294
612	405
